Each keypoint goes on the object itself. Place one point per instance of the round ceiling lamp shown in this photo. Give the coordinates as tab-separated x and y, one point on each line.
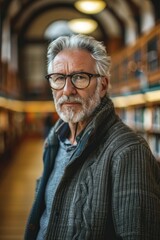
82	25
90	7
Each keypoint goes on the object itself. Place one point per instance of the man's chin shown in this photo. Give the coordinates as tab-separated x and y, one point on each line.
72	117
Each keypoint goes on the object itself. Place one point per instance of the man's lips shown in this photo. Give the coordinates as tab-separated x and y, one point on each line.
71	103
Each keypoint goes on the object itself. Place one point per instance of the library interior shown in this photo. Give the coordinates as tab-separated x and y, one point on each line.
130	30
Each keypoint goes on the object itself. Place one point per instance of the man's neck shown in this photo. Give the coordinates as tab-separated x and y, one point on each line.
75	130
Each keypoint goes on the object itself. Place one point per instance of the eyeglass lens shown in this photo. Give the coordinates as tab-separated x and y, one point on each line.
79	80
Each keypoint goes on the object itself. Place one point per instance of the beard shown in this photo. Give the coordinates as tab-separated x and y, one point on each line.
70	114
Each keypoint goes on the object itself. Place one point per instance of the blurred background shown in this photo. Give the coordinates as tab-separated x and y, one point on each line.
130	30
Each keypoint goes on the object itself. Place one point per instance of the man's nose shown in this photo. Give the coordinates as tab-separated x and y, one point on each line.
69	88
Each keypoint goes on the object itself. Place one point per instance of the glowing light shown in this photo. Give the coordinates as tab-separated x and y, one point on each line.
90	7
82	25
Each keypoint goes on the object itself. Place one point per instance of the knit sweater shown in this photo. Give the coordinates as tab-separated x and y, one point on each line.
110	189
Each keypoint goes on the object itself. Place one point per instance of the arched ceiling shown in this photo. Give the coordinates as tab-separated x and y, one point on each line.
43	13
30	18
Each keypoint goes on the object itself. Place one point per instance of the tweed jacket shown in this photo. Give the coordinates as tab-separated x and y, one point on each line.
110	189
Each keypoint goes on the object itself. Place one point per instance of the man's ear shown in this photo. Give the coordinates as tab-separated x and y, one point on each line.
104	86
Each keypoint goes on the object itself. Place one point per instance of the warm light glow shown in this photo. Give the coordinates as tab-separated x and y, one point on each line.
90	7
136	99
125	101
82	25
39	106
153	96
27	106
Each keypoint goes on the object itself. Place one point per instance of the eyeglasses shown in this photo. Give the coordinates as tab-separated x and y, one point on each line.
80	80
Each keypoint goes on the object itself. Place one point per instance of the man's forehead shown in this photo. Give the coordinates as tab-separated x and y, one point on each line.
73	58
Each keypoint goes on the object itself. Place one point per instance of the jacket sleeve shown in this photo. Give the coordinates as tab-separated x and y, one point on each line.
136	194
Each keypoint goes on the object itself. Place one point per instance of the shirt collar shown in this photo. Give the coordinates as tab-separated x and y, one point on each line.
63	131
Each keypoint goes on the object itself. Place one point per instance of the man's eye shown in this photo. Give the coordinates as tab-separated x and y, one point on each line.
78	77
59	78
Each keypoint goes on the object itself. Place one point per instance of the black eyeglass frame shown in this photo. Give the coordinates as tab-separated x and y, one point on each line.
90	75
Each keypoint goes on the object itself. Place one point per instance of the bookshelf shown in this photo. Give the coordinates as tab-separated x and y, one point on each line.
136	87
11	129
146	121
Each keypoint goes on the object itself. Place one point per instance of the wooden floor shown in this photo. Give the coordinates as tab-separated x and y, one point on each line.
17	188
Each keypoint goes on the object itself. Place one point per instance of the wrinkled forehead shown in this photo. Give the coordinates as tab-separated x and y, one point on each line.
71	59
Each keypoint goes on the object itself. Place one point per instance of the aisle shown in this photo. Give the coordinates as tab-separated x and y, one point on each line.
17	189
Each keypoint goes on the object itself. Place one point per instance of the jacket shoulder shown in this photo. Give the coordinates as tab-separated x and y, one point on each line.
121	137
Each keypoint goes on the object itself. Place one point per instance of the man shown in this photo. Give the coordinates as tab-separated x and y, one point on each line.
100	179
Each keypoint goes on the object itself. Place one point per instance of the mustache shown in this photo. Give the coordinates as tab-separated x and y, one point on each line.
68	99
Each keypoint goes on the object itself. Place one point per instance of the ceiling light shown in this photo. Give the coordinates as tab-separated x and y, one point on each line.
82	25
90	7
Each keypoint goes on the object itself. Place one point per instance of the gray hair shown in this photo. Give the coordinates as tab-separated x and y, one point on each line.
96	49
